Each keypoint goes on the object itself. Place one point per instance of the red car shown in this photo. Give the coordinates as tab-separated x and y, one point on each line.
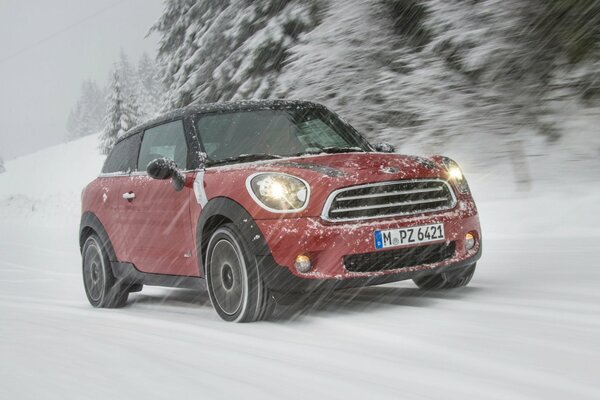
259	200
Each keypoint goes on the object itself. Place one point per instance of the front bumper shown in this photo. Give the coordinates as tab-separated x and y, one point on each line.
328	243
280	279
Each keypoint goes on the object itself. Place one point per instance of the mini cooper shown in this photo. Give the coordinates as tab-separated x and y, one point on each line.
257	201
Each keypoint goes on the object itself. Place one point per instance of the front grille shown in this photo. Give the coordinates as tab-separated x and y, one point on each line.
399	258
387	199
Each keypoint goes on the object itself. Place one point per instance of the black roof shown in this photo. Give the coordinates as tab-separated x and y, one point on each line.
230	106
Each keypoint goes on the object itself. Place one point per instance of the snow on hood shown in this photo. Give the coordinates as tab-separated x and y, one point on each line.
354	167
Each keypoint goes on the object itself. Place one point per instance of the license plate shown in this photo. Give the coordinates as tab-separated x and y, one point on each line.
406	236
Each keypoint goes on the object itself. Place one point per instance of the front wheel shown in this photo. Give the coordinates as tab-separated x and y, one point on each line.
235	287
447	280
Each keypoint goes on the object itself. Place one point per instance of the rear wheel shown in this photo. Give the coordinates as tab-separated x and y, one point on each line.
101	287
446	280
235	287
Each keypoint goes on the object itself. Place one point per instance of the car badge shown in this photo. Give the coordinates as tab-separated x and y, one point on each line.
389	170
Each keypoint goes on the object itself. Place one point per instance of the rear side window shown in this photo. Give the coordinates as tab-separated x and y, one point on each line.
164	141
123	157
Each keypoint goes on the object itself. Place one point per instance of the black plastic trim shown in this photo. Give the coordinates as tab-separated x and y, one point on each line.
227	208
128	273
280	279
90	221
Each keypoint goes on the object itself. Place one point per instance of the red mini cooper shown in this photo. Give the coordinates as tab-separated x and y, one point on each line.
259	200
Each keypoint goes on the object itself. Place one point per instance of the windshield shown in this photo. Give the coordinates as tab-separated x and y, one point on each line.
234	136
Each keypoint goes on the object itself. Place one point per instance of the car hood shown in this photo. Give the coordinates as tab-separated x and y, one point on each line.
357	168
324	173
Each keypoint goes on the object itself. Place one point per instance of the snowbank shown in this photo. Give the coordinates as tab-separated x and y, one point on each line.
46	186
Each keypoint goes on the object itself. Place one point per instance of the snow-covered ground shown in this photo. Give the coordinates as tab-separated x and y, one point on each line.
528	326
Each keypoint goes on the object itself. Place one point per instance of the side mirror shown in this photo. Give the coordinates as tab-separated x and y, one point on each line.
163	168
384	148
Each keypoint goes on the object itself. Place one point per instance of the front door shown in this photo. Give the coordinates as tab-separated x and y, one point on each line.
156	218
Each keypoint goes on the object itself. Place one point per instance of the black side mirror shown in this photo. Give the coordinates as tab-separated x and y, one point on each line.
163	168
384	148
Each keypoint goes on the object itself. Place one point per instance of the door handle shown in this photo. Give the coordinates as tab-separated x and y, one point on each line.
129	196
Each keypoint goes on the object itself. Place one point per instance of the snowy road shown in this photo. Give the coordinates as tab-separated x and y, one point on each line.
527	327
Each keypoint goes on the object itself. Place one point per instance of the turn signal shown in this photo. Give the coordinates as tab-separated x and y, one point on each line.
469	241
302	263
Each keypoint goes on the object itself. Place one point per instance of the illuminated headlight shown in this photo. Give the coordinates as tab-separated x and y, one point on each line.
455	175
278	192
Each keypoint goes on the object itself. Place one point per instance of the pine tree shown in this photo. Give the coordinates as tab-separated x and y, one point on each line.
87	115
127	75
121	115
74	122
2	168
365	60
213	51
342	63
150	89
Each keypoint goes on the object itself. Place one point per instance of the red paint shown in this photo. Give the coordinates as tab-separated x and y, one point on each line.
156	230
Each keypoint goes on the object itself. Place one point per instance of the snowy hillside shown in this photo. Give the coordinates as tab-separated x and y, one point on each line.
46	186
527	327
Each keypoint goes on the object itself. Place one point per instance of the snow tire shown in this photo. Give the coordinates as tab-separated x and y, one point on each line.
235	287
101	287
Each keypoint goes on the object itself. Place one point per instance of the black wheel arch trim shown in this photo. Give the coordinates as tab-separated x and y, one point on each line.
224	207
90	221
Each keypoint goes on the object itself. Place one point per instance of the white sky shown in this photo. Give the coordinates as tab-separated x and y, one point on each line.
47	47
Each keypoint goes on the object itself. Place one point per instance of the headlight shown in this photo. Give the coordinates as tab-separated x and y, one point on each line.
277	192
455	175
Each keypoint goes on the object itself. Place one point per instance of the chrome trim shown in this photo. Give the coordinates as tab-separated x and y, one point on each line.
402	203
137	173
332	195
371	196
112	174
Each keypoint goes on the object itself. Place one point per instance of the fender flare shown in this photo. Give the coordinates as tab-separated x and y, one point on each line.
89	221
214	212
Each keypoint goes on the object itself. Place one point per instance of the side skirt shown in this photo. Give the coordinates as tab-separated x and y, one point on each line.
127	272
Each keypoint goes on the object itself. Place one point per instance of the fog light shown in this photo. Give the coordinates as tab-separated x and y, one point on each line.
469	241
302	263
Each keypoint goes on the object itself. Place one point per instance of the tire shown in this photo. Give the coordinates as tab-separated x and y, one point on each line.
446	280
101	287
235	287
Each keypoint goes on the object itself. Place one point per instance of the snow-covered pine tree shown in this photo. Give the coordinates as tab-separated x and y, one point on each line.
87	116
121	115
127	75
365	60
341	63
150	87
2	167
212	51
74	122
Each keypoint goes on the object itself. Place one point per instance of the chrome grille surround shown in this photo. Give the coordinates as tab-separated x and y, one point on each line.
436	191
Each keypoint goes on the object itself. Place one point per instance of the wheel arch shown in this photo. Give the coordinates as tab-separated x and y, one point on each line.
222	210
89	225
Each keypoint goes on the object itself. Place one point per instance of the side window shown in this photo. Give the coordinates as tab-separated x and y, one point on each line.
164	141
123	157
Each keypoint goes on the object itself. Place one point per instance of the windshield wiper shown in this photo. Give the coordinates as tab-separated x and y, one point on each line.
243	158
331	150
334	149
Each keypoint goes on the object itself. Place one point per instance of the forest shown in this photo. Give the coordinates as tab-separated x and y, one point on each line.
492	79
